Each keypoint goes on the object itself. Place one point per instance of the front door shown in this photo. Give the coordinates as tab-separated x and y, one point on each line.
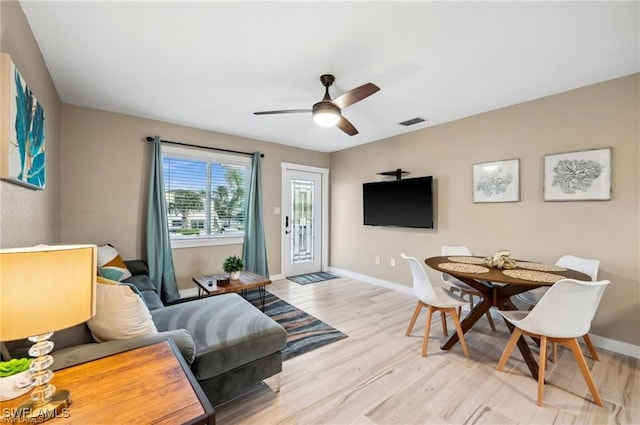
303	220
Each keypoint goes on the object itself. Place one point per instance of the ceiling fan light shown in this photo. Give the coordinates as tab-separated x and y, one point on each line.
327	118
326	114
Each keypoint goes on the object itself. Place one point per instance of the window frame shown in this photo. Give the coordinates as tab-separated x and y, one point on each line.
204	154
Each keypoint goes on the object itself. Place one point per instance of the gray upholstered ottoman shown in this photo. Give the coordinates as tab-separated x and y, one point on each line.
236	344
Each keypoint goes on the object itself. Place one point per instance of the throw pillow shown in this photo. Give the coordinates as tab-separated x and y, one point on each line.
120	313
111	265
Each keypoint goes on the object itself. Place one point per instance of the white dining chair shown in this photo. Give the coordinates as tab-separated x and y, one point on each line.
584	265
434	298
463	288
563	314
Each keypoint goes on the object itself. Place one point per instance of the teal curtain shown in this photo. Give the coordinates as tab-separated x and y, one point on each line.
159	256
254	251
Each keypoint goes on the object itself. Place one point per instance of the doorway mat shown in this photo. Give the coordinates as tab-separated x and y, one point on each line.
304	331
305	279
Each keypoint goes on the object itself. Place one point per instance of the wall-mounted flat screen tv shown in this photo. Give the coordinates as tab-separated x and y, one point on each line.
399	203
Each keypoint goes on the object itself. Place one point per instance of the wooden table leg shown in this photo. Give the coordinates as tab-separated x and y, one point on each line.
474	315
505	303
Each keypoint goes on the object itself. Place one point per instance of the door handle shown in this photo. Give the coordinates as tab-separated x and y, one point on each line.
286	225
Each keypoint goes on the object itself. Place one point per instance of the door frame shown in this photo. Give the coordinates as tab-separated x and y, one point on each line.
324	178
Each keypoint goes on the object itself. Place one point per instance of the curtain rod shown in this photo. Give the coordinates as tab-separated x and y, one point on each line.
150	139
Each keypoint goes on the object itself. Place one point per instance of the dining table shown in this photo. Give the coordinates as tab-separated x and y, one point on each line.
497	286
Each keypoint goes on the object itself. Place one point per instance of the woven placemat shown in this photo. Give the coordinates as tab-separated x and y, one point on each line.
467	260
463	268
533	275
540	267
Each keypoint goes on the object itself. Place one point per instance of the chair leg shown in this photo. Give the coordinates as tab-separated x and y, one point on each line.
490	319
444	323
584	369
427	328
590	347
508	349
541	368
554	352
416	312
456	322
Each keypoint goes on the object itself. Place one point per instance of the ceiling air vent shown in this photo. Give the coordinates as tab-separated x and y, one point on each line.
412	121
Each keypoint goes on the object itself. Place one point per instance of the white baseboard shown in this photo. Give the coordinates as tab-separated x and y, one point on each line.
620	347
616	346
372	280
189	292
275	277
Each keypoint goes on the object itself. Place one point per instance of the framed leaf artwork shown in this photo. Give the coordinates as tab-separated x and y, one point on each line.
578	176
497	181
22	129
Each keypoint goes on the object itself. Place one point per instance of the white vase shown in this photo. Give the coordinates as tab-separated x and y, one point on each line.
234	275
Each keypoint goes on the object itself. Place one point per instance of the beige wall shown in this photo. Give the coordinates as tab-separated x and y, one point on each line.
29	217
104	184
601	115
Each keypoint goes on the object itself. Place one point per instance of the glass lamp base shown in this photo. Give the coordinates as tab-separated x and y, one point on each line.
29	412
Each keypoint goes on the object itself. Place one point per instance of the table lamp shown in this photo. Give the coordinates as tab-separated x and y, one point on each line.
45	289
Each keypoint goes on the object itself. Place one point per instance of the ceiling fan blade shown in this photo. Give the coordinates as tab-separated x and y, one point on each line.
285	111
356	95
346	126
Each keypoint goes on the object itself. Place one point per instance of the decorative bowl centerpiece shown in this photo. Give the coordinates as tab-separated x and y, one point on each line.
501	260
233	265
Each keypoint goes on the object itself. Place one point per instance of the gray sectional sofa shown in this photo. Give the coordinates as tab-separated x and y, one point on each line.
229	343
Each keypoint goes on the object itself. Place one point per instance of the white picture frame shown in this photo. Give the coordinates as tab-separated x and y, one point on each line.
578	176
497	181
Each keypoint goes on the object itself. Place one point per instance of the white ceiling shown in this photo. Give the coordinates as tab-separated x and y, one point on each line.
210	65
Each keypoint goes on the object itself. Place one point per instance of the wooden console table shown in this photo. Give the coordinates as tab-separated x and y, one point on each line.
151	384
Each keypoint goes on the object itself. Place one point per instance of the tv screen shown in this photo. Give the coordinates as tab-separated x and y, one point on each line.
400	203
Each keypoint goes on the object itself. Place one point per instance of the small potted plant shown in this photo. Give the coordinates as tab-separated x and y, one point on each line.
15	378
233	265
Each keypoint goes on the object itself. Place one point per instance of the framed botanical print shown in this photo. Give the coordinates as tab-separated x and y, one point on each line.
578	176
497	181
22	129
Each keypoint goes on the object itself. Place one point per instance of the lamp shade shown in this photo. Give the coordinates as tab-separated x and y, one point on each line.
46	288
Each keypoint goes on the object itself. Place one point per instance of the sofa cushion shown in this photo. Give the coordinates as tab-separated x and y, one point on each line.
110	264
147	289
75	335
137	267
228	332
120	313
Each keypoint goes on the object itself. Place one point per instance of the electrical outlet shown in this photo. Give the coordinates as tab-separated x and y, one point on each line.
377	260
392	261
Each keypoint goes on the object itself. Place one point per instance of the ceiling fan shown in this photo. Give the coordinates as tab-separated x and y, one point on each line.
327	112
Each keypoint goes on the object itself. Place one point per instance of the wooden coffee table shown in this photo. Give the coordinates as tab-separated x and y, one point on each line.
208	286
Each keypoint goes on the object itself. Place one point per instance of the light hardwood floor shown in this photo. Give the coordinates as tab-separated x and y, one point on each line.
376	375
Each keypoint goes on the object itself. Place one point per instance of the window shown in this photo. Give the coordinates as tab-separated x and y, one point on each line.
205	196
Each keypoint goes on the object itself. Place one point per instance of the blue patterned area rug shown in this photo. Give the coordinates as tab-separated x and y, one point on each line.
304	332
305	279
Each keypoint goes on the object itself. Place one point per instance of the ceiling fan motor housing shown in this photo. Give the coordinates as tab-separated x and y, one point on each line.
325	106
